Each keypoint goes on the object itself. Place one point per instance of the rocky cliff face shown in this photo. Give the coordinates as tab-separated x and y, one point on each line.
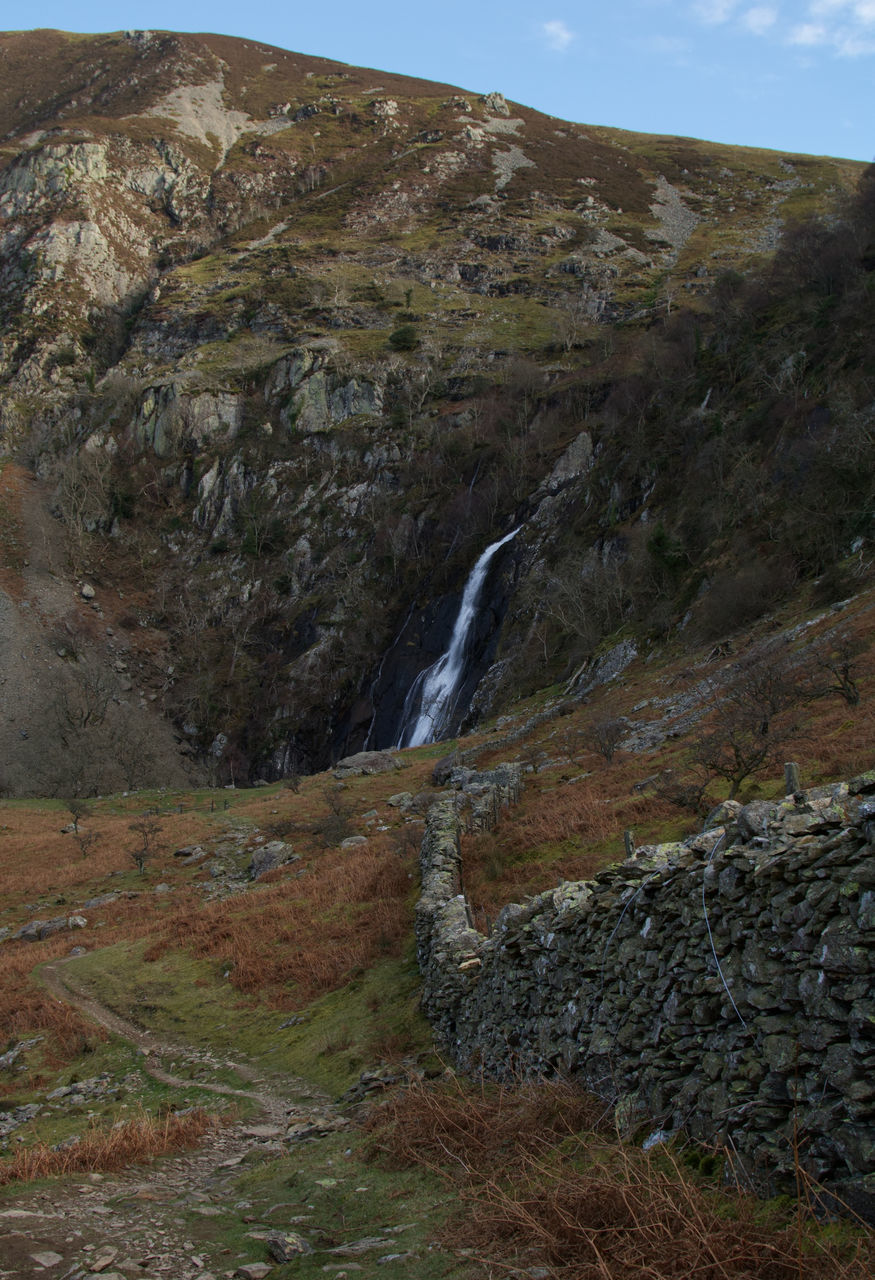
293	340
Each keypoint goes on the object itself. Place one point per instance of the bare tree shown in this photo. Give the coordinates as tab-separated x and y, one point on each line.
148	831
604	734
86	841
578	311
334	827
755	717
132	750
586	596
82	701
83	500
78	809
835	657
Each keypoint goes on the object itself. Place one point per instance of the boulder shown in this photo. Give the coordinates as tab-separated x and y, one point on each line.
287	1246
440	774
753	819
276	853
366	763
36	930
723	814
400	800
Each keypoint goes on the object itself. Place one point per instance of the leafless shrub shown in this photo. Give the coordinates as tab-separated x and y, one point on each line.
334	826
604	734
755	717
148	831
540	1180
683	791
835	658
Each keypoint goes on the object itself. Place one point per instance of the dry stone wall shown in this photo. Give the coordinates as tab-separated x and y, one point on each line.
723	985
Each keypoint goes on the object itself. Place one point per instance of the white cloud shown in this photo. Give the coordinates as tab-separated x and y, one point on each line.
715	11
557	35
847	27
760	19
809	33
854	44
862	11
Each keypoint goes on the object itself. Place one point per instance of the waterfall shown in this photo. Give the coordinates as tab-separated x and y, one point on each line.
431	699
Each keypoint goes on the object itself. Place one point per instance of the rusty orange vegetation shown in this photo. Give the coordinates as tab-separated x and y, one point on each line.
296	940
538	1173
300	933
135	1141
571	817
26	1008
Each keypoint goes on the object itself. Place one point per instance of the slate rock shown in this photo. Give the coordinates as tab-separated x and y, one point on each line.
366	763
723	814
400	800
103	1258
440	774
287	1246
753	818
187	851
276	853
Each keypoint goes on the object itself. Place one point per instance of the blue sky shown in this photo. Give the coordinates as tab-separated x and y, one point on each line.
794	75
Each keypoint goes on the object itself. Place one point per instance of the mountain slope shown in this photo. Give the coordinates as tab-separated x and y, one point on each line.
290	342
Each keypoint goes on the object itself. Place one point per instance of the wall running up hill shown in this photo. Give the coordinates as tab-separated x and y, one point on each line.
723	985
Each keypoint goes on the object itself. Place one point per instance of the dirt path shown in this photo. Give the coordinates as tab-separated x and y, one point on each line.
274	1107
166	1219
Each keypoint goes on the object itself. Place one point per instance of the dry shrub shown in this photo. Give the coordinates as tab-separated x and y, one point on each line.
429	1124
102	1150
351	909
498	866
27	1008
539	1182
38	859
578	812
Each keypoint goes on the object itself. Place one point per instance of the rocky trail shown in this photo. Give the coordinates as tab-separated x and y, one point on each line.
167	1219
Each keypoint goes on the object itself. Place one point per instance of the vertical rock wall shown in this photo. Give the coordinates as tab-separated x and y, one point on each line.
723	985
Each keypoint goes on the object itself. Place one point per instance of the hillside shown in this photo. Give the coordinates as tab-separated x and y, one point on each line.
287	343
287	348
248	953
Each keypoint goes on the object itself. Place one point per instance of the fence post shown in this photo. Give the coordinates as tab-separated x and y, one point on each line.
791	779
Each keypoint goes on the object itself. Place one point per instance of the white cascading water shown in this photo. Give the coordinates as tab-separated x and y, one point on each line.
431	699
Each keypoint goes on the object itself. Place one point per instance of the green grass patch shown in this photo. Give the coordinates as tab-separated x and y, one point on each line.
333	1194
374	1017
114	1087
